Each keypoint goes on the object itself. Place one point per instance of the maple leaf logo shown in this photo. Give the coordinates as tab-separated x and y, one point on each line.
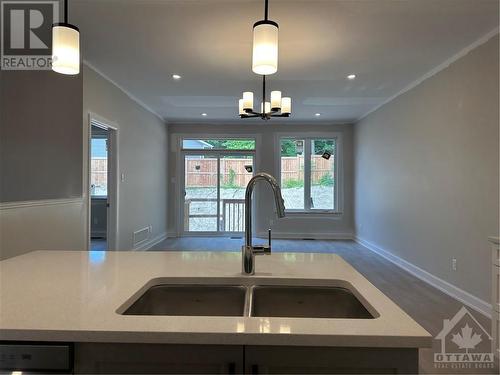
466	340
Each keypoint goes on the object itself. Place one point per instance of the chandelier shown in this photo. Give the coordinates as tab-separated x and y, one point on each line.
265	62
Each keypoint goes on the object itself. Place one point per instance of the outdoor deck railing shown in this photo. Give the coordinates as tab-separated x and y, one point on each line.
232	214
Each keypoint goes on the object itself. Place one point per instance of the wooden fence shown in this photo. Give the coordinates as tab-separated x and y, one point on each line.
203	172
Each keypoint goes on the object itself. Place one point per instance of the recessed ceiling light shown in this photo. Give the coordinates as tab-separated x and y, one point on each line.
351	77
176	76
204	114
317	114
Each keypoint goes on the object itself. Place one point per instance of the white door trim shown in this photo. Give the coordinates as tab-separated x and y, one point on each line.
113	186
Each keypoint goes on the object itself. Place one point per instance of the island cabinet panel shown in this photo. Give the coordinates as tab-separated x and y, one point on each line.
99	358
103	358
322	360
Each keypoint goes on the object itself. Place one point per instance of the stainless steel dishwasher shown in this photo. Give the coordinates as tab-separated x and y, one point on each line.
36	358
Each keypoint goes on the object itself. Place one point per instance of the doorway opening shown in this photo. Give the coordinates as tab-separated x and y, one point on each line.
102	177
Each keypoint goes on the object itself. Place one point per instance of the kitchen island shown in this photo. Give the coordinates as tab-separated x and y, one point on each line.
79	298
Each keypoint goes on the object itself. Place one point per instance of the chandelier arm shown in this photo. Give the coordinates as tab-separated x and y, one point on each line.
251	112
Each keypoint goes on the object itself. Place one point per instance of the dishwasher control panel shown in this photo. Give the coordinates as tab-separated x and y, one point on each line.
42	357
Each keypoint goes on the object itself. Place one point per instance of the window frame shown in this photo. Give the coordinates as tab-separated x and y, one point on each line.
338	198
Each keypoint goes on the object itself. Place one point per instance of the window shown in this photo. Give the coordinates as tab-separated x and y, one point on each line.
99	167
309	173
218	144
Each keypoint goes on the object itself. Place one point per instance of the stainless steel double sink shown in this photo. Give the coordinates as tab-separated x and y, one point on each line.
251	301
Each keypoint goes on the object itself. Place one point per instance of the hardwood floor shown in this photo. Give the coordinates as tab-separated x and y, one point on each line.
424	303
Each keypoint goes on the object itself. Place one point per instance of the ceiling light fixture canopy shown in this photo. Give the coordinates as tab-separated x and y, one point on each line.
65	46
278	106
265	45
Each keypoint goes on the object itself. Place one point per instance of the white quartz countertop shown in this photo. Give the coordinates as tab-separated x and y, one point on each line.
74	295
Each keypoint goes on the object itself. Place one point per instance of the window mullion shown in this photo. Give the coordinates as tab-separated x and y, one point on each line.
307	174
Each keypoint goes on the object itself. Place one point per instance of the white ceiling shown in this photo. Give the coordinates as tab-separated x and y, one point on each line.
389	44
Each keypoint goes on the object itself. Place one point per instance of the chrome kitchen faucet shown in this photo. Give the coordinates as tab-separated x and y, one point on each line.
248	251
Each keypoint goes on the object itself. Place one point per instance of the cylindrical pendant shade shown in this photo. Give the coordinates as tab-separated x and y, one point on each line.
240	107
65	49
248	100
286	105
265	47
275	99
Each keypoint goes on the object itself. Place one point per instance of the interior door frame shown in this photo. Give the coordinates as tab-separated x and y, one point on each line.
113	187
217	154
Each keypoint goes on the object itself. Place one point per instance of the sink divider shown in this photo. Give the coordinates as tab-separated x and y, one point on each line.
247	310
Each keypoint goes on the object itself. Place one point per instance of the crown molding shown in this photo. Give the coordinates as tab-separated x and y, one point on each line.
445	64
258	123
126	92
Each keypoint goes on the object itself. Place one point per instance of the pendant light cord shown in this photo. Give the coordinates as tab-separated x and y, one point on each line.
266	9
66	11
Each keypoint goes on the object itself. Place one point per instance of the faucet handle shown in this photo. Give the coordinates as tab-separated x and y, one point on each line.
263	249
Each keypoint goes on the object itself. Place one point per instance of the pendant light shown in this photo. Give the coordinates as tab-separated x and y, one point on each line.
65	46
265	62
265	45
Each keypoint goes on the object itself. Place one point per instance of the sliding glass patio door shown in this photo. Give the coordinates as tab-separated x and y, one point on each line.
214	191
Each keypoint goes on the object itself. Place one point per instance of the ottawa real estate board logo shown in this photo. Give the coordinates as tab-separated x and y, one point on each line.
464	344
26	34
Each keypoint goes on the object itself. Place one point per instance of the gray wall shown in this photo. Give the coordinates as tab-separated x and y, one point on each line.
427	170
40	135
317	225
142	157
40	162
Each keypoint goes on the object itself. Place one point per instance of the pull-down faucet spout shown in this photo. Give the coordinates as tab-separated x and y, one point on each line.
248	251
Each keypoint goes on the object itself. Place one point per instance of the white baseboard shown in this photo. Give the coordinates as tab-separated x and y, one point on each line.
453	291
300	236
277	235
146	245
